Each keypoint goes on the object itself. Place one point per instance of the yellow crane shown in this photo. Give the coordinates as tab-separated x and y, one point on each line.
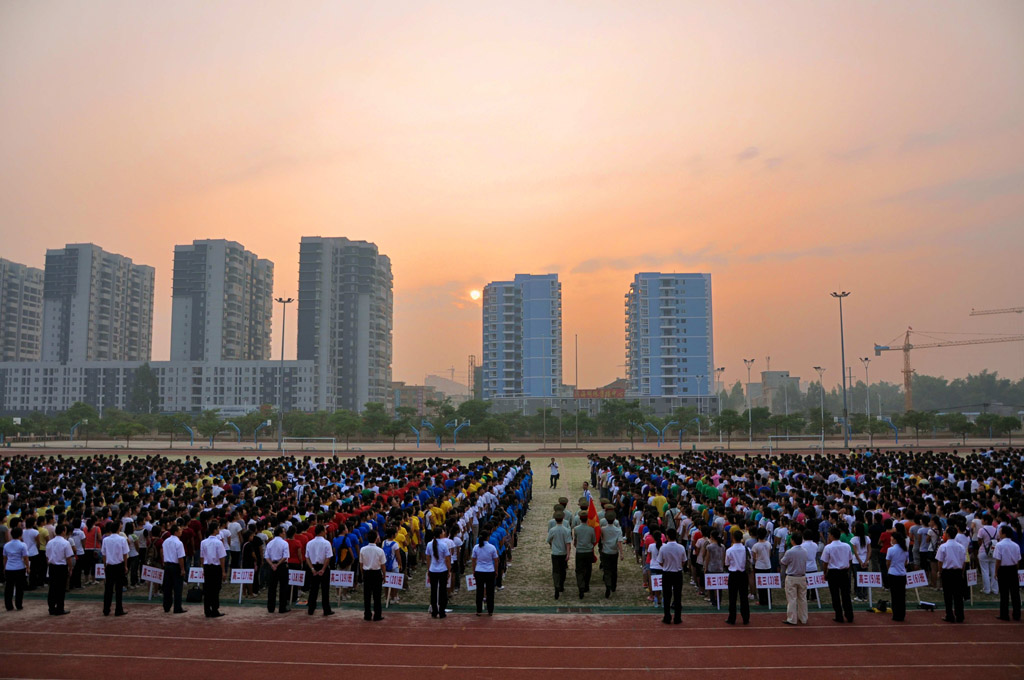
908	372
1004	310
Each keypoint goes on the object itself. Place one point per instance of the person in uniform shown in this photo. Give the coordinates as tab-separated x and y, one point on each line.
583	539
212	556
611	552
836	558
951	557
1007	556
276	556
559	538
739	583
114	552
174	569
373	561
58	552
318	559
673	557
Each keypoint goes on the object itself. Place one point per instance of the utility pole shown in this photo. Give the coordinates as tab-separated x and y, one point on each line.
718	380
821	393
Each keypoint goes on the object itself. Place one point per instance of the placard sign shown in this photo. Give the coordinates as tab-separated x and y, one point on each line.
1020	577
656	583
195	575
972	578
343	579
917	579
869	579
296	577
470	582
394	580
716	581
763	581
242	575
152	574
101	572
816	579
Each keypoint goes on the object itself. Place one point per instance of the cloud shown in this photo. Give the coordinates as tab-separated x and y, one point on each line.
853	155
967	189
772	163
749	153
704	255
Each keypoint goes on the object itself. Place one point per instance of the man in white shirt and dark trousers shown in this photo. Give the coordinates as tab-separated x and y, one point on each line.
276	557
836	559
951	556
114	551
58	554
739	586
318	559
174	569
212	555
372	560
673	557
1007	556
553	469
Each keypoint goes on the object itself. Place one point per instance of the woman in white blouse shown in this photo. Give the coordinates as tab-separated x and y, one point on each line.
896	561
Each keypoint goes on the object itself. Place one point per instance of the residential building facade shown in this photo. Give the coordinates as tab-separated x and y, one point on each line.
522	337
222	303
669	337
345	320
97	306
21	312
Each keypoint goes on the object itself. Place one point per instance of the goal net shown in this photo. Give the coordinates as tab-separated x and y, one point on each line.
795	441
296	444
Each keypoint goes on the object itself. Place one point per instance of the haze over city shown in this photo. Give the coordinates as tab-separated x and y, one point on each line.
788	149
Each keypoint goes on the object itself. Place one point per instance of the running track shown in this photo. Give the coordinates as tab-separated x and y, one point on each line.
249	643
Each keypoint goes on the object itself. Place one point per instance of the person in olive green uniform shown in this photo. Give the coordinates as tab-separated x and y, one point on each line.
583	539
611	551
558	508
559	538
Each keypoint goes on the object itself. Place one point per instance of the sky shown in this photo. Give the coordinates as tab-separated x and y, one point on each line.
790	149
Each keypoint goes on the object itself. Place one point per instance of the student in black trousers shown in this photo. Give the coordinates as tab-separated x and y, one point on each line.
372	562
1007	556
896	560
15	581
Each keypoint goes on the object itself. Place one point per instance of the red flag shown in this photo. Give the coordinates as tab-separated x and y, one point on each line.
593	521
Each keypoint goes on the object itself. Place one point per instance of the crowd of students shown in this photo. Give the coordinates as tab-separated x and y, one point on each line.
65	515
885	512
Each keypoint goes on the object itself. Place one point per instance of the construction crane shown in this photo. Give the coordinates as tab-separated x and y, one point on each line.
1005	310
908	372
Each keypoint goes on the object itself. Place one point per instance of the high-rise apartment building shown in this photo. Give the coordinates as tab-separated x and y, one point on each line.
21	312
97	306
222	303
669	348
522	337
346	307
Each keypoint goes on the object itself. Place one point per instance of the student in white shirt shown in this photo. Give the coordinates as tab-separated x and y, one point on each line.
739	583
60	556
276	556
373	562
951	557
114	551
174	569
836	559
485	560
213	558
1007	558
896	562
440	558
318	560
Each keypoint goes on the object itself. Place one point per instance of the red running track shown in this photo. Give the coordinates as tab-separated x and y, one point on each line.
249	643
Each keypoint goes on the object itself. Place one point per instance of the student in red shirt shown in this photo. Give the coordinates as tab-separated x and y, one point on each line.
296	556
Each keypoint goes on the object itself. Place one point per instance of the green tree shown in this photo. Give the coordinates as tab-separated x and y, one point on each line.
1006	425
375	418
8	429
986	424
737	398
957	423
818	422
727	422
144	394
345	424
474	410
127	428
918	420
172	423
492	428
209	424
758	419
875	426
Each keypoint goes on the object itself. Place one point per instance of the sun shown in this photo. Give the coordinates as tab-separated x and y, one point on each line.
474	294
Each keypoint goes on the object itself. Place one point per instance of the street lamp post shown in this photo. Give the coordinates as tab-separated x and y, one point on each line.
280	375
750	417
718	380
699	378
821	393
867	399
842	350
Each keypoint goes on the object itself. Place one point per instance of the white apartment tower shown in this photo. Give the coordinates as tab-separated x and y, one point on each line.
222	303
97	306
21	312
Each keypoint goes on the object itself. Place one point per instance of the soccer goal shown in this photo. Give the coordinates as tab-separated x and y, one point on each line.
774	441
294	444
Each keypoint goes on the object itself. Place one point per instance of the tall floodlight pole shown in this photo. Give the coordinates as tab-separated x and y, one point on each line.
821	393
699	378
867	399
750	417
842	352
280	375
577	353
718	380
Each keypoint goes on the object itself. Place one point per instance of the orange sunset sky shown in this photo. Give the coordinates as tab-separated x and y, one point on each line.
789	148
